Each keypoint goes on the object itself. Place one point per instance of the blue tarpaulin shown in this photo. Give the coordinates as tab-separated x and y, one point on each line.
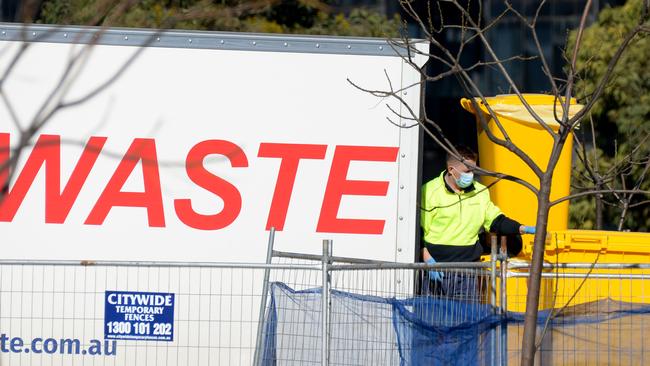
422	330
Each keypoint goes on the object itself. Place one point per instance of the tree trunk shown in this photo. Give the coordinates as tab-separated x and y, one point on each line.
534	282
621	219
599	209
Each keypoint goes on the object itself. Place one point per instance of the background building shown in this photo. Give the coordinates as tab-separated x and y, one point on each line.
9	10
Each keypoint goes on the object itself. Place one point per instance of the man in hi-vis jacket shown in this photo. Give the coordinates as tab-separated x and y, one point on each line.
454	209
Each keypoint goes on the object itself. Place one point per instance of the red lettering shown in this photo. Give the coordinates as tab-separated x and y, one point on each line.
57	207
47	151
4	165
338	185
203	178
290	155
143	150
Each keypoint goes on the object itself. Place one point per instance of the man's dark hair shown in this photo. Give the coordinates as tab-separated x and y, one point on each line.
465	152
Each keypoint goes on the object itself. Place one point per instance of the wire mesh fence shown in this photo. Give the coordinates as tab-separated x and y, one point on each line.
396	314
371	315
415	315
54	313
591	314
363	298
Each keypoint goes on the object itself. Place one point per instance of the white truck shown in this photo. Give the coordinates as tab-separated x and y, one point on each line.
185	147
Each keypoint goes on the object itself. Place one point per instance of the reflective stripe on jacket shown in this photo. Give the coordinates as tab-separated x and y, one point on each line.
450	218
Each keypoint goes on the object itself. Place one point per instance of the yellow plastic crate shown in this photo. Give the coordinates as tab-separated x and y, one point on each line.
583	246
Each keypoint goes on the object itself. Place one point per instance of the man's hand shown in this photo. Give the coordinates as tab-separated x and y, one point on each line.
434	275
523	229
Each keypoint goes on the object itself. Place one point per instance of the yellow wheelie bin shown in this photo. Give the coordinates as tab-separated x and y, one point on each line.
562	287
515	200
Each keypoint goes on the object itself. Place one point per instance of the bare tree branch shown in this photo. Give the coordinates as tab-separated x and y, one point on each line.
592	192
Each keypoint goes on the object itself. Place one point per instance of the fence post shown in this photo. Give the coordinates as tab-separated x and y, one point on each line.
503	257
265	289
493	271
493	295
327	253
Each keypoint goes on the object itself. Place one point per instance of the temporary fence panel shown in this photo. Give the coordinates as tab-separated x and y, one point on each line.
445	321
603	332
58	314
588	247
55	313
452	322
360	329
390	327
591	318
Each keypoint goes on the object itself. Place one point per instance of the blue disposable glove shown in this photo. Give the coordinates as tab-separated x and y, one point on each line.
434	275
527	229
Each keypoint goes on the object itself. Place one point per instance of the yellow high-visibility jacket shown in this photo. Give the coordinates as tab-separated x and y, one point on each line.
449	218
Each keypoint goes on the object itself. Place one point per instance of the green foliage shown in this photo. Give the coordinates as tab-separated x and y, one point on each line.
275	16
621	116
582	214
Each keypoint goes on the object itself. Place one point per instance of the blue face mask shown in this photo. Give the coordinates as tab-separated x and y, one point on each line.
465	180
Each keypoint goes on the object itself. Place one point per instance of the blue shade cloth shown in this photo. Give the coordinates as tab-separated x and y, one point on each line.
423	330
374	330
444	332
361	328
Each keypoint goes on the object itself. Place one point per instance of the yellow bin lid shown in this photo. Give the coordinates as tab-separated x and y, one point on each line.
509	106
